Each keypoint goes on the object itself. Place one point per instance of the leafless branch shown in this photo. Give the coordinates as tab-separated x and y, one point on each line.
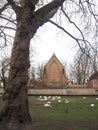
72	22
12	3
8	19
2	35
76	39
91	6
46	12
3	8
5	27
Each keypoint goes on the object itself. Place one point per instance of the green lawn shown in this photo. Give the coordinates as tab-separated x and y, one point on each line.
75	115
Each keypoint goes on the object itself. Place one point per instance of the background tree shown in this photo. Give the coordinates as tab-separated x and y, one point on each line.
71	73
94	58
40	71
4	70
80	67
33	73
26	16
32	76
83	65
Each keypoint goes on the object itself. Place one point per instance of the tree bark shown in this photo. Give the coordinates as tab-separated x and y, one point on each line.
16	102
16	108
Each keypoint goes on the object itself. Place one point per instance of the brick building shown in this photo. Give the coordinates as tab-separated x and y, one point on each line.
93	81
54	74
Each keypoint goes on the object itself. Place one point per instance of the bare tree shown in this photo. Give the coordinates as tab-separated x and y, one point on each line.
4	70
80	67
33	73
40	71
16	110
26	16
94	58
71	73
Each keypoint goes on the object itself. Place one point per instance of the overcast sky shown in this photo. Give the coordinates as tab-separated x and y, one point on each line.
49	40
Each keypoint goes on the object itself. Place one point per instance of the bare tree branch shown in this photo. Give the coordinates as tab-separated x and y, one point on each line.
76	39
3	8
83	38
49	10
5	27
12	3
91	10
8	19
2	35
72	22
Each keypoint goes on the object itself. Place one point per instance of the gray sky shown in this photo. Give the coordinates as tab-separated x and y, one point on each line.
49	40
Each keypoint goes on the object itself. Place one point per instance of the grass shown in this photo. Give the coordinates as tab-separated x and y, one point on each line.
75	115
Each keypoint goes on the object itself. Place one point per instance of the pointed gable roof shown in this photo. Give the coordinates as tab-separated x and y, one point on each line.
52	58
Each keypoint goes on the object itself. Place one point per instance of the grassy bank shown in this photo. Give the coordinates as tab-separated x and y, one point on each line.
65	113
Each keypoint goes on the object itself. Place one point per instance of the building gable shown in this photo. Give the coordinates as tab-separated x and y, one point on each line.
54	74
55	60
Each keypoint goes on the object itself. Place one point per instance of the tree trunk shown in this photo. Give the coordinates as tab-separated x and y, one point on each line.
16	110
16	93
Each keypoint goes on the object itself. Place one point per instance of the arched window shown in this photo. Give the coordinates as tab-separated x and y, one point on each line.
54	72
